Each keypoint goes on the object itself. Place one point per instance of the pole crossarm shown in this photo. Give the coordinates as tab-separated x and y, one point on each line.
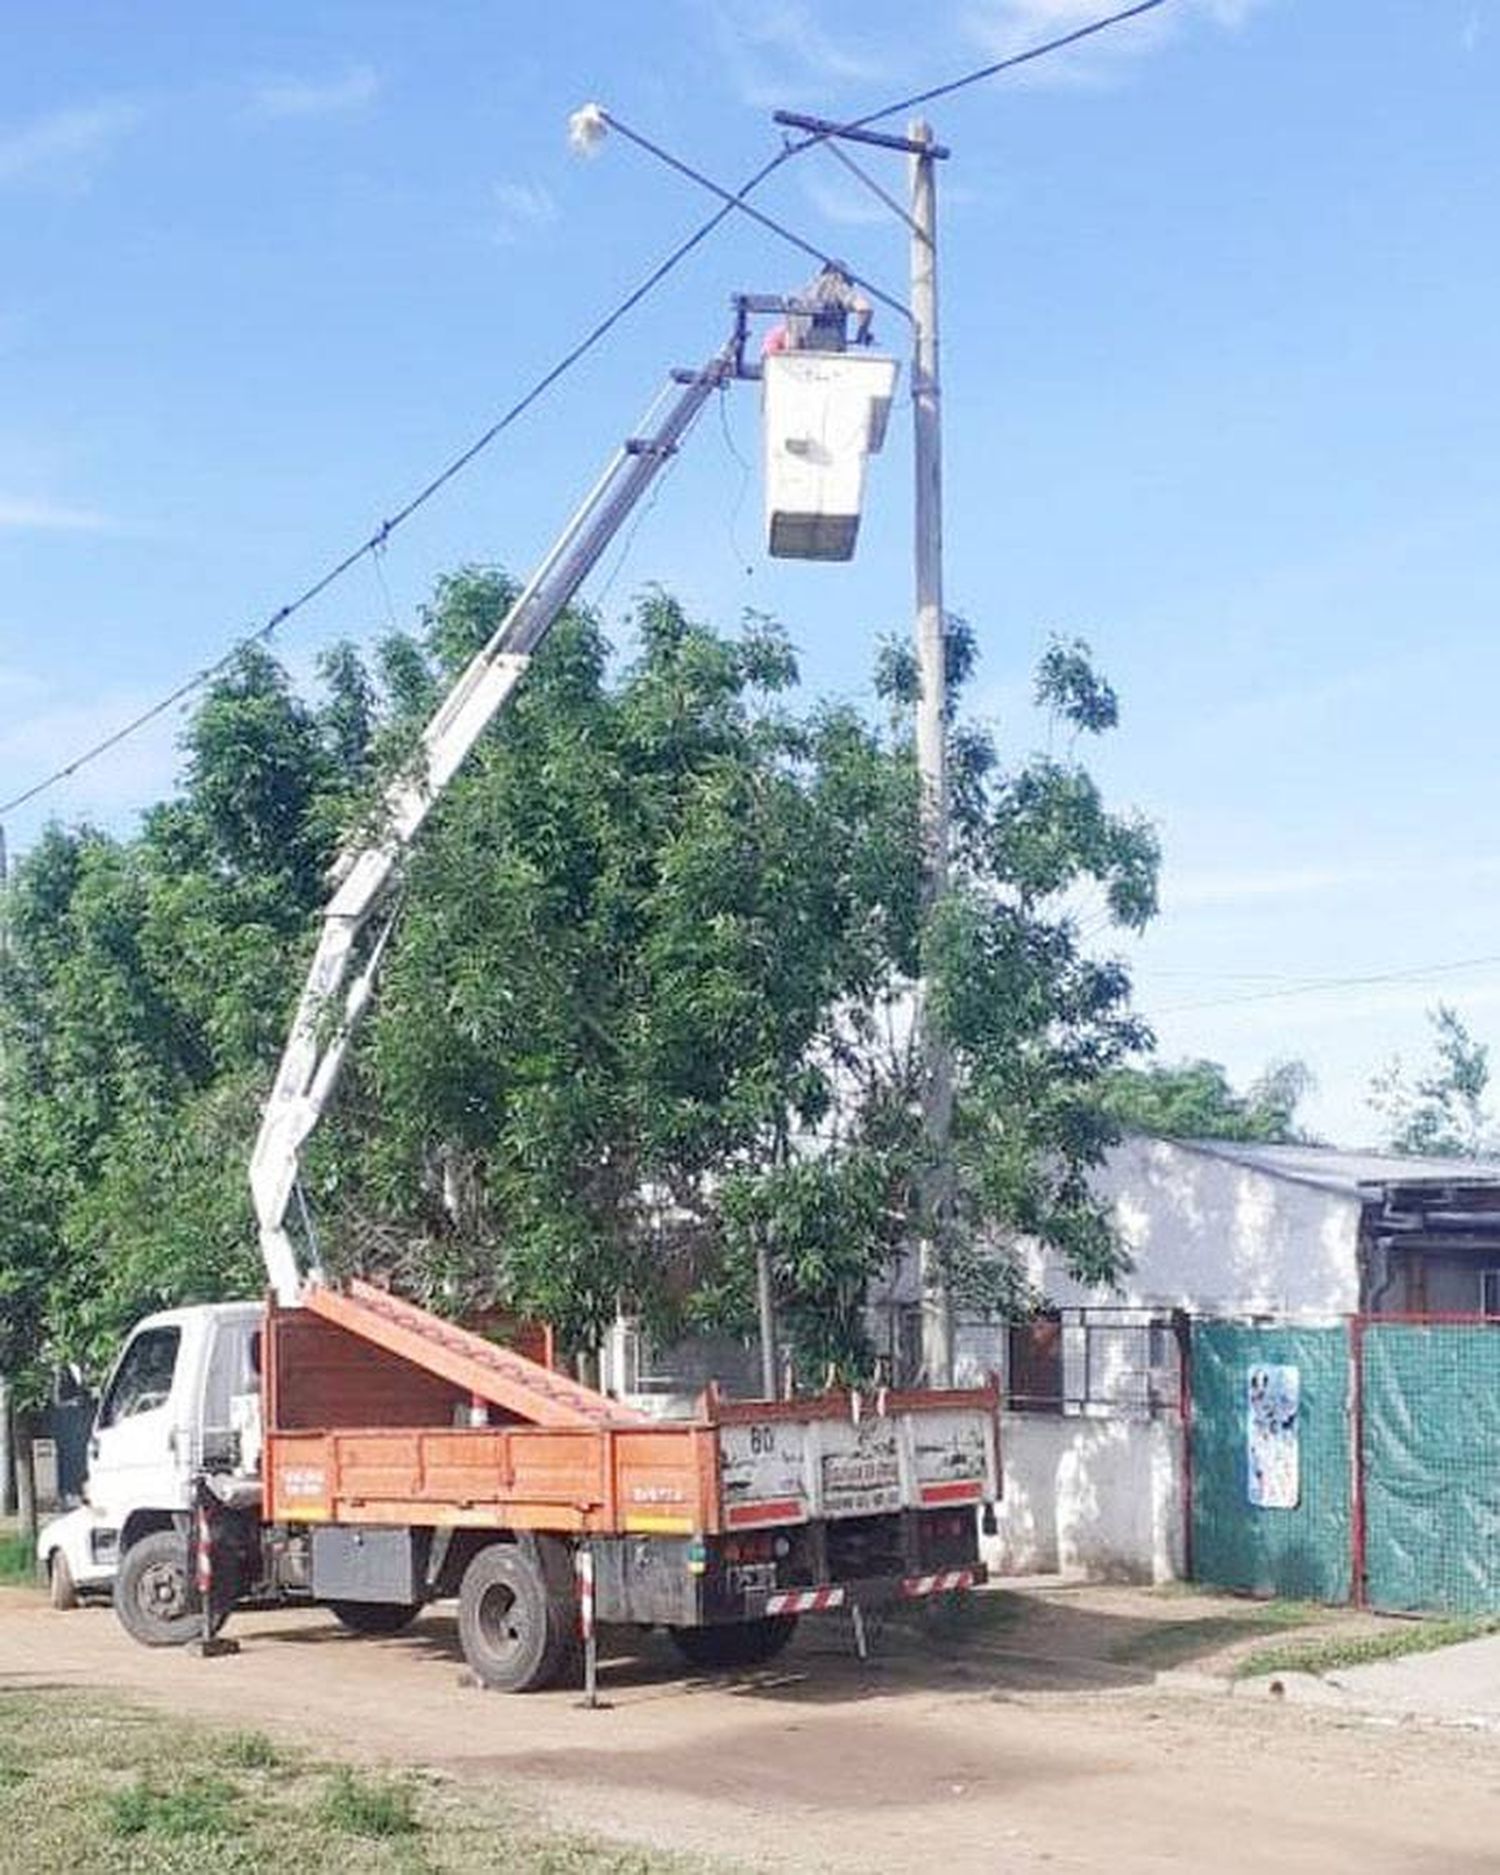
821	128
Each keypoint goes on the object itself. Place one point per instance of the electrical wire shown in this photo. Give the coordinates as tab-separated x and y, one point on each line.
729	204
378	540
1312	985
1044	49
737	201
733	523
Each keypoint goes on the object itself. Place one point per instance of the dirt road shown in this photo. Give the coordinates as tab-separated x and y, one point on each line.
977	1759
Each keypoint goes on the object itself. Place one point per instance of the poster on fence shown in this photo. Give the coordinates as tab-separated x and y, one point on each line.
1274	1400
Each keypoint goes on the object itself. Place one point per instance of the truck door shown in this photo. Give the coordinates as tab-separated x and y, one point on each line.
133	1458
230	1417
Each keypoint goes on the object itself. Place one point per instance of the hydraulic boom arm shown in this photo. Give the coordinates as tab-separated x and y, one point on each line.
358	919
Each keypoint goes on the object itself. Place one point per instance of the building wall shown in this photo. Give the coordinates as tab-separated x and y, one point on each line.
1208	1235
1441	1282
1085	1497
1099	1492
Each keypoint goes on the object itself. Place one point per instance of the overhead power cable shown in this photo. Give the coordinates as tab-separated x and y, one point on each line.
1308	986
1044	49
376	542
737	200
730	204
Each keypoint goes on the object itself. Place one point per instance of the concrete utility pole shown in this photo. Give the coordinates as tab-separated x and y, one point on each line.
932	763
923	155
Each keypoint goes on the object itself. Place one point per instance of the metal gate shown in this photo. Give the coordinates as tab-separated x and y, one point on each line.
1429	1411
1303	1549
1397	1442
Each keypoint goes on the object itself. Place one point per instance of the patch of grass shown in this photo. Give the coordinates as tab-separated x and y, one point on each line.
1173	1643
201	1805
17	1560
250	1751
368	1806
1358	1650
97	1787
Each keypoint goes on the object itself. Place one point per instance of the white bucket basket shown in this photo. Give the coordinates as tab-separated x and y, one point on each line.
824	413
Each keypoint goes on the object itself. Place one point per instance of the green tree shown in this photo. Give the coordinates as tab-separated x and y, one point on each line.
1034	1019
1444	1113
145	987
1196	1100
648	1009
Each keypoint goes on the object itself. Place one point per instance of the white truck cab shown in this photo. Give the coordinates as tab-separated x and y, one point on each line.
183	1393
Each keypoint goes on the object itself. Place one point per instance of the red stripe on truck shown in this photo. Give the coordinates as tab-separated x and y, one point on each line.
961	1491
770	1510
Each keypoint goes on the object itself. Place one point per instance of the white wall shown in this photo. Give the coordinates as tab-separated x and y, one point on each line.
1206	1234
1097	1498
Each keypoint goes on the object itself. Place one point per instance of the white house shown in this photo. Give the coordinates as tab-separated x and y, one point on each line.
1093	1434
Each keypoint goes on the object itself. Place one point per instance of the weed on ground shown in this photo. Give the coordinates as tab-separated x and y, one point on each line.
17	1559
367	1806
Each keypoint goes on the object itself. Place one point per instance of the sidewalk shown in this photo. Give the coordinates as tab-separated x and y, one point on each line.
1453	1685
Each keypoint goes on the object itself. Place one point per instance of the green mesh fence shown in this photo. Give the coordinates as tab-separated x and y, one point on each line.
1432	1466
1302	1551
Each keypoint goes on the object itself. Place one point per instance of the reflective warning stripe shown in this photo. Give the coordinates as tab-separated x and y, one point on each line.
583	1570
938	1584
957	1491
770	1510
204	1562
804	1601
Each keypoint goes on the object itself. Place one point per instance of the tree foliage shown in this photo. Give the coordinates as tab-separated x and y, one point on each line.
1196	1100
1443	1113
649	1007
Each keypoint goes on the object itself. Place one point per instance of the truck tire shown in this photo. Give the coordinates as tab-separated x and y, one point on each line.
515	1627
735	1643
375	1617
62	1591
154	1594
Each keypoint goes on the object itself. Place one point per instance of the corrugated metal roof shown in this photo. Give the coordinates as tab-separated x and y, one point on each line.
1335	1169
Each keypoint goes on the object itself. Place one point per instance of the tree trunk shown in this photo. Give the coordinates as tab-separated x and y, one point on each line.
25	1476
7	1454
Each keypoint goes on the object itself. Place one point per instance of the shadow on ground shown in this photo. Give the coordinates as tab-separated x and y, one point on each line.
1057	1640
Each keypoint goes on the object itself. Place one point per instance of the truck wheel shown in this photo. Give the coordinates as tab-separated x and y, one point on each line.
375	1617
516	1633
62	1591
735	1643
154	1594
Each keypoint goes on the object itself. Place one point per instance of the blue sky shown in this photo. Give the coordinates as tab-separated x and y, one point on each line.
1220	358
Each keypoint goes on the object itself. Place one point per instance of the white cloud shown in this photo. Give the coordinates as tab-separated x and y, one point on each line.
522	207
1005	27
844	202
354	91
25	514
779	53
63	148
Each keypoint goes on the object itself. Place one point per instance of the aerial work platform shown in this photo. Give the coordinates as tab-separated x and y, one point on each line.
825	414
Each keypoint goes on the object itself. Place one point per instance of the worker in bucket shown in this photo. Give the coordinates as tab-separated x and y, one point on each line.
821	323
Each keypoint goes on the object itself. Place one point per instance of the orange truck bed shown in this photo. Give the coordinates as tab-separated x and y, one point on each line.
369	1402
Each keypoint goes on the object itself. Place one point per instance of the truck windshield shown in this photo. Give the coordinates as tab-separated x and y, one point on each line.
143	1380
